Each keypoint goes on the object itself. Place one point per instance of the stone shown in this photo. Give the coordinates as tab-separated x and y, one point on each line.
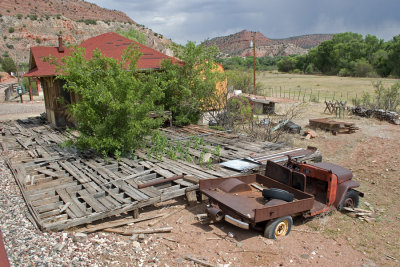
134	237
136	244
80	238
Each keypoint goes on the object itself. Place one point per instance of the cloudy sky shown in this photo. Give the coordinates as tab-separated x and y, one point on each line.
197	20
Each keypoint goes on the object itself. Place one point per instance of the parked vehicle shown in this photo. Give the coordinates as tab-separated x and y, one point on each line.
271	201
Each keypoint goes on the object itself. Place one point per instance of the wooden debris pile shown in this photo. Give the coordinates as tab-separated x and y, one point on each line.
333	126
65	188
363	214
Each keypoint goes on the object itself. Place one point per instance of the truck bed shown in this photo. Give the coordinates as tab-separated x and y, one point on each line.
236	197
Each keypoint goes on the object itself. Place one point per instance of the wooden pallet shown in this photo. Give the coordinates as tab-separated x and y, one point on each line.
64	188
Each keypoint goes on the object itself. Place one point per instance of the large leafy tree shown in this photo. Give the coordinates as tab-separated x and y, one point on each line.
190	87
112	115
8	65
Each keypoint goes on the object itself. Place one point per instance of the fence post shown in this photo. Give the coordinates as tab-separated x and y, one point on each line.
280	91
318	97
310	95
289	92
333	98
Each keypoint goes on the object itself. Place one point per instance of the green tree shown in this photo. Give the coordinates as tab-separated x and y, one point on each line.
133	35
393	55
190	88
112	115
8	65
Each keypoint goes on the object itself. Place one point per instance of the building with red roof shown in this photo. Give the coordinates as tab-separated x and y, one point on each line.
110	44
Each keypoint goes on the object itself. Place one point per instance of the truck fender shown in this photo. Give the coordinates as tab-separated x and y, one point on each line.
342	190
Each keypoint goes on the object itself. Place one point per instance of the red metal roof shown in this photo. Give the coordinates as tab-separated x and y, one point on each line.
110	45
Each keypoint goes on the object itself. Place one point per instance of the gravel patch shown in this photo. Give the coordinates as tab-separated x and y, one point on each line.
28	246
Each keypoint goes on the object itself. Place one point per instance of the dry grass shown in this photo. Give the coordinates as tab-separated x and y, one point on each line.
300	86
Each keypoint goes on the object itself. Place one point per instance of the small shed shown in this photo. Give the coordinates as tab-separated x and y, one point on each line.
110	44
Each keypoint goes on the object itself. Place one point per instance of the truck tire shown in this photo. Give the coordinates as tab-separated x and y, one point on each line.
350	200
279	227
277	194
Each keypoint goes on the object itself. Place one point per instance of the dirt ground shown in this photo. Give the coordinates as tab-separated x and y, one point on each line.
335	239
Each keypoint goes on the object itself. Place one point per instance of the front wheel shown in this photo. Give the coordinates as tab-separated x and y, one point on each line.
278	227
350	200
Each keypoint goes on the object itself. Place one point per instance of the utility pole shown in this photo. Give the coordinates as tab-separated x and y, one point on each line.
254	64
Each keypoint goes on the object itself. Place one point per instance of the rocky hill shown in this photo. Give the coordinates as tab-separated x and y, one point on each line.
238	44
27	23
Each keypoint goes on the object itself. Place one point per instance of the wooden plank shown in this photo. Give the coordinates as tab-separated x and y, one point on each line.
50	184
91	201
32	195
49	207
71	169
151	191
48	172
173	194
74	207
45	201
117	223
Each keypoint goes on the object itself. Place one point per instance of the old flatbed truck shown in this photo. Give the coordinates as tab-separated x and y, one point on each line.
270	201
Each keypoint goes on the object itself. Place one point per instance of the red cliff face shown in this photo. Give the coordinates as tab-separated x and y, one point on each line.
238	44
27	23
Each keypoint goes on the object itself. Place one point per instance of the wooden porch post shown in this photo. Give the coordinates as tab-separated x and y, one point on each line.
39	89
30	89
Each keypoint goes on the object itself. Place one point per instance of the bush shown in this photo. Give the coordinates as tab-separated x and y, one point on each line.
11	30
19	16
361	68
8	65
9	46
33	16
38	41
344	72
112	117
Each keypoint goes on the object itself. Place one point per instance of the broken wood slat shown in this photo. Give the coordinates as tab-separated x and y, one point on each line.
173	194
49	184
58	218
118	223
48	214
45	201
99	181
73	171
198	261
47	172
38	194
148	231
151	192
75	206
49	207
91	201
160	181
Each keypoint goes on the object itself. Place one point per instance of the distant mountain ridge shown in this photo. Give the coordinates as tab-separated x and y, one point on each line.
238	44
27	23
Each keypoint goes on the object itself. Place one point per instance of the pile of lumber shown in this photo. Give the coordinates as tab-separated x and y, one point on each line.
369	215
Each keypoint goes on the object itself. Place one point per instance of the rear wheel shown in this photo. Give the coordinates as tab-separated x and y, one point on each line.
350	200
278	227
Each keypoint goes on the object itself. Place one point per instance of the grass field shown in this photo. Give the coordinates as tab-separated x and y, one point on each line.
316	88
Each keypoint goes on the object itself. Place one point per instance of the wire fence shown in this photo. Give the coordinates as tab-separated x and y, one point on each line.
312	95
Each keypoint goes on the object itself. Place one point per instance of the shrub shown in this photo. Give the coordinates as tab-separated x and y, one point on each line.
9	46
38	41
362	68
8	64
33	16
58	16
19	16
344	72
112	117
10	30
